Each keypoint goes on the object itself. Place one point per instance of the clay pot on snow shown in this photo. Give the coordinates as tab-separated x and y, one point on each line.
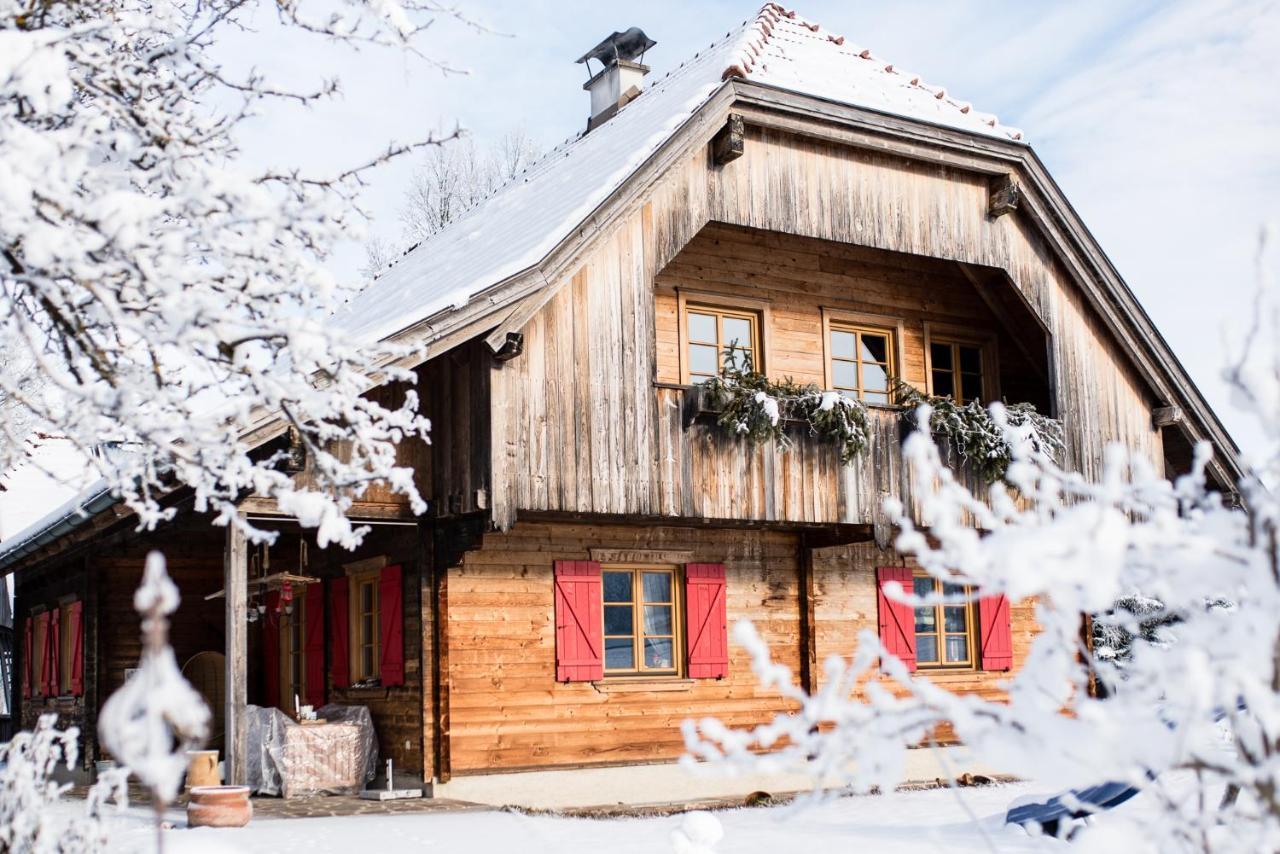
219	806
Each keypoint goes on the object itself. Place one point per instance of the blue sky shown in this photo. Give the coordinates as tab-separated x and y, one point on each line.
1158	119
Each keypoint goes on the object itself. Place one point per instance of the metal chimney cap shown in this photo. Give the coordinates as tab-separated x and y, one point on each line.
629	45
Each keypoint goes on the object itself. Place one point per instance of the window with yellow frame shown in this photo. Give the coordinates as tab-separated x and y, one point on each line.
957	370
365	653
944	632
861	361
641	621
712	333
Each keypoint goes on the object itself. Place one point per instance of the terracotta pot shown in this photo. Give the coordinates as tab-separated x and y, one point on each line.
219	806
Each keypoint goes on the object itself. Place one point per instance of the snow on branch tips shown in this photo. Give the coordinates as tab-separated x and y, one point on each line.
169	294
1179	699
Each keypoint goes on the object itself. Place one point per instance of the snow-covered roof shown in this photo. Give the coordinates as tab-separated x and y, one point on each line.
526	219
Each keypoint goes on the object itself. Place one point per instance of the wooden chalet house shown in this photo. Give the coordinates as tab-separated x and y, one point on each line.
563	605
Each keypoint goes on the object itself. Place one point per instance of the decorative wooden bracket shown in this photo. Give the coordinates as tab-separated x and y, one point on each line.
1166	416
728	144
512	347
1004	196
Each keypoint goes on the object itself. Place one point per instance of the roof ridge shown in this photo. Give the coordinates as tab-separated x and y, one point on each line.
760	34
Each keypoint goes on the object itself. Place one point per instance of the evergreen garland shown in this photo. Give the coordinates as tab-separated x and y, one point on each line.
976	436
755	408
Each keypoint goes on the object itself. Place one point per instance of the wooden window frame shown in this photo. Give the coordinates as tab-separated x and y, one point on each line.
357	642
956	337
879	324
757	311
678	652
970	633
287	623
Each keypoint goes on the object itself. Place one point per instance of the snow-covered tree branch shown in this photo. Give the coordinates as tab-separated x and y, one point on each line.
1190	719
168	294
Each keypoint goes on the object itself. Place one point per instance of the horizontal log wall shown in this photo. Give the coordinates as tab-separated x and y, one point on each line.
579	427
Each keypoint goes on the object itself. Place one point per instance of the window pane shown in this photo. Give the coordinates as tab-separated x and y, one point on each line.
943	385
842	344
737	330
875	348
366	597
844	374
657	586
703	359
657	620
874	378
954	619
619	654
940	355
741	359
658	654
879	397
971	387
926	620
702	327
971	360
366	661
950	588
617	587
957	648
922	585
618	620
926	649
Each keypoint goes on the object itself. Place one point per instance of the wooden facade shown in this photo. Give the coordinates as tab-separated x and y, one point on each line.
580	440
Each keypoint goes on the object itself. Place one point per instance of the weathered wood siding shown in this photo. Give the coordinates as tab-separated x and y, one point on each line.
579	427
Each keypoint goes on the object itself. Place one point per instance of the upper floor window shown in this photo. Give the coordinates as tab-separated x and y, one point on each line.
714	334
641	620
944	633
861	361
956	370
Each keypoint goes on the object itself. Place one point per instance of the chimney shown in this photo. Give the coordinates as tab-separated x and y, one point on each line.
621	76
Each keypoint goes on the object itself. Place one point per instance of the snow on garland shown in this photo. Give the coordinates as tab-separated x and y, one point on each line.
755	408
974	433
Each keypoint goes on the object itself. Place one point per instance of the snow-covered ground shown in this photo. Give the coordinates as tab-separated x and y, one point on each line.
937	820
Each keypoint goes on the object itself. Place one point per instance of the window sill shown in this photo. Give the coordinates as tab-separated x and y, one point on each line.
370	693
642	684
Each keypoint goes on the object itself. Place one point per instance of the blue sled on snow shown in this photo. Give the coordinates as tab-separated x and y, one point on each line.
1073	804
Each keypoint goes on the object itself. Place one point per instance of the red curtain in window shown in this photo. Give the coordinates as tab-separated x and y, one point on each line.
75	625
995	633
391	630
339	632
579	628
28	664
271	650
313	644
52	655
897	620
706	618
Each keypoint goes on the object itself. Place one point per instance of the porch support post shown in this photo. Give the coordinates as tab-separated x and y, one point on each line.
235	571
808	622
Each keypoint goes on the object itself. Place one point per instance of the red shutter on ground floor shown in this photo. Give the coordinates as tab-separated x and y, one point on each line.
897	619
28	664
313	644
706	620
995	633
76	627
391	630
579	615
339	632
52	656
271	650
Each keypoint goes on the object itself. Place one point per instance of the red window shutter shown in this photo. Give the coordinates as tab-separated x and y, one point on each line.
340	632
76	628
897	619
52	654
579	621
391	618
313	644
706	619
28	663
995	633
271	650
